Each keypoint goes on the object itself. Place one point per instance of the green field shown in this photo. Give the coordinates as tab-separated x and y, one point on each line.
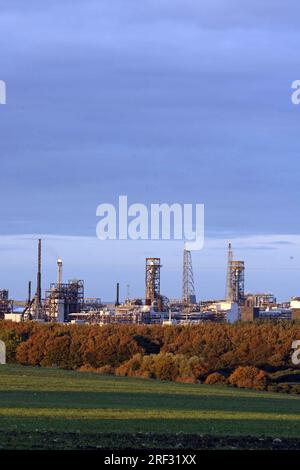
42	407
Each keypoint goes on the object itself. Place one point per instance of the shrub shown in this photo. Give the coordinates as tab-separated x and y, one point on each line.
295	388
162	366
166	366
180	353
284	388
106	370
215	378
12	337
130	368
248	377
86	368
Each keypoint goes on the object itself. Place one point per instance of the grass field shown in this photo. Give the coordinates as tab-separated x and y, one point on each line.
41	408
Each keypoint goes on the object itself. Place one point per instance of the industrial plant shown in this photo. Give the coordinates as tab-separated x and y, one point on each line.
65	302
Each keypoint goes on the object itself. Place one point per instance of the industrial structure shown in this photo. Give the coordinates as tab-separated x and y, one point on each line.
37	304
63	299
153	297
59	272
235	279
6	305
64	302
188	286
118	295
295	308
264	300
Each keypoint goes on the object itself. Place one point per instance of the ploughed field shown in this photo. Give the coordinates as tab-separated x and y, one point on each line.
43	408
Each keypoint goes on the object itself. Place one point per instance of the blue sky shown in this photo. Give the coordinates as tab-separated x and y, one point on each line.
162	100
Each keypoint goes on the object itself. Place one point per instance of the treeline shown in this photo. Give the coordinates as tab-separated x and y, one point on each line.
243	354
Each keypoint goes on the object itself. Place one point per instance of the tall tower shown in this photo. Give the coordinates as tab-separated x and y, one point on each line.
228	277
153	280
29	293
117	302
235	279
238	281
39	274
188	286
59	272
38	295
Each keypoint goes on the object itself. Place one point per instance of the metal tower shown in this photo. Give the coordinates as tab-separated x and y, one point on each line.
38	310
238	281
59	272
188	287
228	294
152	280
235	279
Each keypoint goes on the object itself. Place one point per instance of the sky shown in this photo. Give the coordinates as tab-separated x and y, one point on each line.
163	101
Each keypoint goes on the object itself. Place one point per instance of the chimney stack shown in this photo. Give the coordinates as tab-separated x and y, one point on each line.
29	293
59	272
39	275
118	295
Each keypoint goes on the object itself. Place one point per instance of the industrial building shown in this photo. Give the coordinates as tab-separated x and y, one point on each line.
63	299
65	302
6	305
235	279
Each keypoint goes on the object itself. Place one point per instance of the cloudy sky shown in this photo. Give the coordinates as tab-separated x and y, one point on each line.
161	100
